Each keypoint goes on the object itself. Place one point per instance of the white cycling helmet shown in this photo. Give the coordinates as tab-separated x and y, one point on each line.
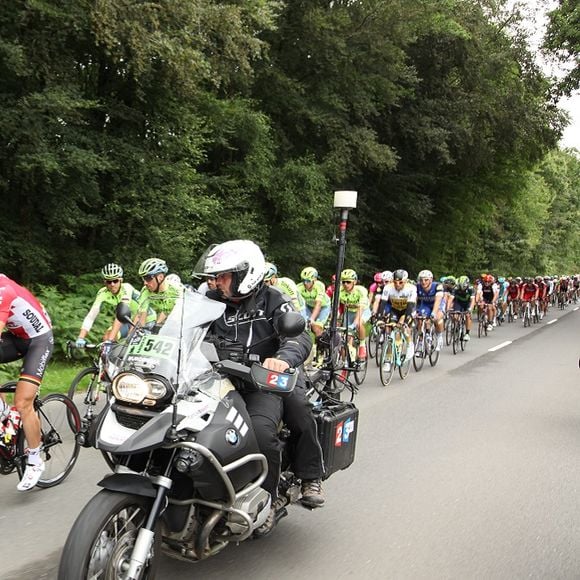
112	271
241	257
387	276
152	267
173	280
425	274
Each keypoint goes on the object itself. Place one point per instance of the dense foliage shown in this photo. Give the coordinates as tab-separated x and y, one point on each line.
130	129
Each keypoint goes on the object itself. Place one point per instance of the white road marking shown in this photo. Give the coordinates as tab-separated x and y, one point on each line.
506	343
552	321
574	309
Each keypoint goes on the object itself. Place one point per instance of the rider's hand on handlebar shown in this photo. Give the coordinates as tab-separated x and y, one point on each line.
275	364
80	343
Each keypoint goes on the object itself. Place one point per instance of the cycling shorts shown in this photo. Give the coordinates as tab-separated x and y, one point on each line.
461	306
349	317
322	315
427	309
36	353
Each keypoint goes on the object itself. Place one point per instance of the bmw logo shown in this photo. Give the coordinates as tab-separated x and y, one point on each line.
232	437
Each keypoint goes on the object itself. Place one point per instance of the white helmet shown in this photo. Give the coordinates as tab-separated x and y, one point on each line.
387	276
173	280
112	271
426	274
241	257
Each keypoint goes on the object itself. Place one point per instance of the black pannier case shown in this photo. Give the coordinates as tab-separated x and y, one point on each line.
337	430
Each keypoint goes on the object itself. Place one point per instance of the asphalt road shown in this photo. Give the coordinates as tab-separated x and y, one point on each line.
469	470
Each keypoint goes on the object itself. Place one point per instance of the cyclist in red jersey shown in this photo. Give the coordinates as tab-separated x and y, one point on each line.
26	333
513	293
542	296
529	292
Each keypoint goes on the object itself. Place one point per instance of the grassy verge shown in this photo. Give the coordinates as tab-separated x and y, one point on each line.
57	378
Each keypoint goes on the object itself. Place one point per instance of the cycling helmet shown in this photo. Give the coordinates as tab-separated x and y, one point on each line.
426	274
112	271
309	274
387	276
450	281
378	277
173	280
348	276
243	258
270	271
487	278
153	266
400	275
463	282
539	279
501	279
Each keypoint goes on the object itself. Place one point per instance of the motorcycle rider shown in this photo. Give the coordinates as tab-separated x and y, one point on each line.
252	309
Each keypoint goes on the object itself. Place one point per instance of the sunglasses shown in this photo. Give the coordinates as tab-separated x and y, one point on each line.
109	282
347	282
148	278
307	281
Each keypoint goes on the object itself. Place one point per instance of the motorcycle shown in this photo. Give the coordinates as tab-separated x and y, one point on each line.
188	474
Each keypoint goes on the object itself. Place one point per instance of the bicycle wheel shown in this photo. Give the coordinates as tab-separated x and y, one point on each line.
433	352
387	367
455	336
372	341
449	330
381	338
405	365
60	423
480	328
419	357
88	393
360	369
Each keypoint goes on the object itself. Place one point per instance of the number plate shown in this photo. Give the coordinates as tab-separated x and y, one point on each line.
155	346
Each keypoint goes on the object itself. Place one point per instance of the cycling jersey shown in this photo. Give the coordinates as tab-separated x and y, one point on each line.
513	291
160	302
529	291
104	296
316	293
426	298
355	299
23	315
462	298
400	300
487	292
288	287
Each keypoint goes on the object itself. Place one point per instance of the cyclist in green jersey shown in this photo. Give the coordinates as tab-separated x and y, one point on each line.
355	301
317	302
157	293
464	301
112	293
286	286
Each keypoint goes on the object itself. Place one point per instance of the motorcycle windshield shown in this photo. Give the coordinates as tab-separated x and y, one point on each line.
175	351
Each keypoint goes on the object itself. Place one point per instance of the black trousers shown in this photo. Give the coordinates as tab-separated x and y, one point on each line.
266	411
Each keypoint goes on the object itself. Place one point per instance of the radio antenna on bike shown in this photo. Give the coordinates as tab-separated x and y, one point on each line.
345	201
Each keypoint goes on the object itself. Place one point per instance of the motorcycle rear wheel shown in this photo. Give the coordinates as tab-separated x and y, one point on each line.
103	536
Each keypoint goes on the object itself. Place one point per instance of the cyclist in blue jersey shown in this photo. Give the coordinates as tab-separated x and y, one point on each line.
430	302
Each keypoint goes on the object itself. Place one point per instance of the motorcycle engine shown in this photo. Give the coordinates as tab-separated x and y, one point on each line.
256	504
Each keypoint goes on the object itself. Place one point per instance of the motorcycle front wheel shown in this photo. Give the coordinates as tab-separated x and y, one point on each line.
102	538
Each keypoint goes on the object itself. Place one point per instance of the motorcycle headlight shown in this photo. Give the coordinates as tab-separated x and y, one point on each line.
132	388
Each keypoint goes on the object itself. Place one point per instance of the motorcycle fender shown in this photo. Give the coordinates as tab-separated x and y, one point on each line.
150	436
131	483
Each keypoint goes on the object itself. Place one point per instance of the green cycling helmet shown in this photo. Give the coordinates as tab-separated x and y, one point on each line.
153	266
463	282
309	274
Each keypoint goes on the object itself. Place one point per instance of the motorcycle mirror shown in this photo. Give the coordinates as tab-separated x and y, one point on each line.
123	313
290	324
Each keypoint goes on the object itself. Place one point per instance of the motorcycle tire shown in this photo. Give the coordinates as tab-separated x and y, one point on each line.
106	514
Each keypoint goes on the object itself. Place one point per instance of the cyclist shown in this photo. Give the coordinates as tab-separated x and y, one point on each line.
512	295
158	293
316	301
431	302
355	300
26	333
529	292
449	283
286	286
398	300
376	287
486	297
464	301
542	297
112	293
502	287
